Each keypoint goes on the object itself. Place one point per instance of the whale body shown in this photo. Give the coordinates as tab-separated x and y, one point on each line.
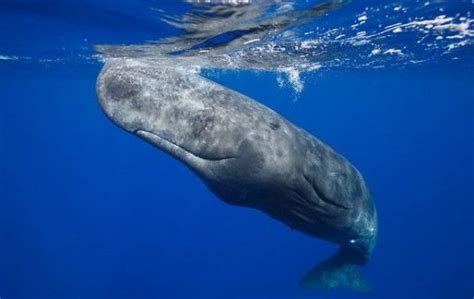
248	155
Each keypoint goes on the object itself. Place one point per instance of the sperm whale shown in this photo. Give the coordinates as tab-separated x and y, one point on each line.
248	155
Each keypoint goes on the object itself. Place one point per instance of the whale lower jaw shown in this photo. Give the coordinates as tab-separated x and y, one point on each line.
177	150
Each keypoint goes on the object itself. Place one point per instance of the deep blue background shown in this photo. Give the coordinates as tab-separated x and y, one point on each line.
89	211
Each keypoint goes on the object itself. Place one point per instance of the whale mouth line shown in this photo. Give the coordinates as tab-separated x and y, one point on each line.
167	144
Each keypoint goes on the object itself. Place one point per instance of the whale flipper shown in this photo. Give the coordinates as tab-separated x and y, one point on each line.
336	272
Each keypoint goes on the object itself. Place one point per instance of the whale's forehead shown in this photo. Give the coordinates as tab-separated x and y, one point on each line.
159	100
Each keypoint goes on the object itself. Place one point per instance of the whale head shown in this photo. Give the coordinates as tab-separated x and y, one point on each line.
161	106
202	124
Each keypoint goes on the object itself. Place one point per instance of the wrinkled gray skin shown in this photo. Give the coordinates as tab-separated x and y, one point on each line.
246	154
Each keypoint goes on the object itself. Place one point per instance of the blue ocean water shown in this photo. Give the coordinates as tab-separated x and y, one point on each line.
89	211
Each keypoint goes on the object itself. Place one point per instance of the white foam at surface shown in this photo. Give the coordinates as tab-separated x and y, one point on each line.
375	51
4	57
294	79
251	41
380	35
362	18
393	52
